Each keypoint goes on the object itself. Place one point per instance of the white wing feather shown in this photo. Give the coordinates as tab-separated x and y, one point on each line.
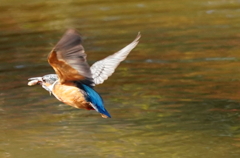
102	69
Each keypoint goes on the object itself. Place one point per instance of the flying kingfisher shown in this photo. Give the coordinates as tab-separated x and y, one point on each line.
74	80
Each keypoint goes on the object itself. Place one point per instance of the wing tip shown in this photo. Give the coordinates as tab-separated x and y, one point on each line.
71	31
69	39
136	40
139	33
138	36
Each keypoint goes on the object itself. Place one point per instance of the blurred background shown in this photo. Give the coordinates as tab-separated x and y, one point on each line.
175	96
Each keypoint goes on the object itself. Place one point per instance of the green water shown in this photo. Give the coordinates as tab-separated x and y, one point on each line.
176	95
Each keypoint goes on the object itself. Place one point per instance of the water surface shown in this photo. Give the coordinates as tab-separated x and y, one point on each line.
176	95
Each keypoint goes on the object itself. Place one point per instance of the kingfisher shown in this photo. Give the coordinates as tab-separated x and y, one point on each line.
74	81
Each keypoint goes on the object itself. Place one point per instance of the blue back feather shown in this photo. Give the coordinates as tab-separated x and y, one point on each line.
95	99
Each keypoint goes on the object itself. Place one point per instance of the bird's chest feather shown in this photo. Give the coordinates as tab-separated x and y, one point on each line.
69	94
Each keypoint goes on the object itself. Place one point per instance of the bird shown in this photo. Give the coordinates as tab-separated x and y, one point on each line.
74	81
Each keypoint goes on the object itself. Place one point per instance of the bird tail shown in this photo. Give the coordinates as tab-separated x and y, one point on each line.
105	116
96	101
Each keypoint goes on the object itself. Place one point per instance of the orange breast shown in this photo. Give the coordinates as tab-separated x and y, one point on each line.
71	95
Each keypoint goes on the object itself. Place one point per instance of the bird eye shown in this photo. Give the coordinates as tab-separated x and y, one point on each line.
43	80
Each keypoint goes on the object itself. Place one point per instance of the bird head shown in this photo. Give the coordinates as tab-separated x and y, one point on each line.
46	81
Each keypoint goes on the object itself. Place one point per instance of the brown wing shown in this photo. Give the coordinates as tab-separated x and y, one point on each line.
69	60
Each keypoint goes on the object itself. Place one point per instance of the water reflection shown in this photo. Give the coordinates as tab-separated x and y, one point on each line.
176	95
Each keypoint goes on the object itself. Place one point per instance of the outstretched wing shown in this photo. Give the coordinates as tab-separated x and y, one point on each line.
68	59
102	69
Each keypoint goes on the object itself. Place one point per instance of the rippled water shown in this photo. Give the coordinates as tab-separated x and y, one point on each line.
176	95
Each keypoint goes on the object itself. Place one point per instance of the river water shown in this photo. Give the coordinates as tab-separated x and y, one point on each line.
175	96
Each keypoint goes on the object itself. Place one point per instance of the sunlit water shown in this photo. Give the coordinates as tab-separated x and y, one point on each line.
176	95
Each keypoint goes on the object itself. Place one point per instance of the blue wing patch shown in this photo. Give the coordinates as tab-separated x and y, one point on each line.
96	100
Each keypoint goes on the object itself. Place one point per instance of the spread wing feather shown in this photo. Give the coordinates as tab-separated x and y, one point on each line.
68	59
102	69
